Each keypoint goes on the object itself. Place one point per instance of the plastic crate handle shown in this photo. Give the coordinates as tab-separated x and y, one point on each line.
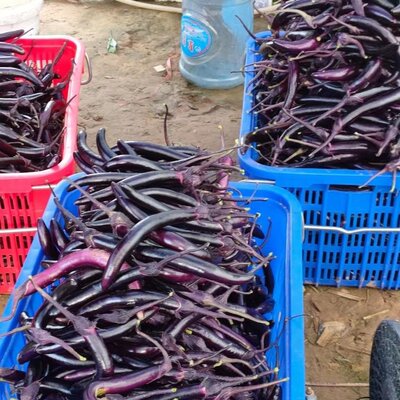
351	232
89	70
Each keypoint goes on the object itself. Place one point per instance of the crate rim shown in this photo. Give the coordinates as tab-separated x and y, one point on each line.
285	174
71	118
294	279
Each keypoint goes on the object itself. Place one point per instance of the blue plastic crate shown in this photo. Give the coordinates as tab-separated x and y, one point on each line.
281	215
352	235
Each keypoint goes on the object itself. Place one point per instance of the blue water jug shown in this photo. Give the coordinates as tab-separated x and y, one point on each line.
213	41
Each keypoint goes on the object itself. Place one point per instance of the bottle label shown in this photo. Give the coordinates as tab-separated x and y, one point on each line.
196	38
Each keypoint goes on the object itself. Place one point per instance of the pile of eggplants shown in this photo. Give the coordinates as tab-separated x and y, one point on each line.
32	109
327	87
157	294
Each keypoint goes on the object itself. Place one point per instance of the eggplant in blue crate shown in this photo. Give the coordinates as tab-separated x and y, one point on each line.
326	87
154	288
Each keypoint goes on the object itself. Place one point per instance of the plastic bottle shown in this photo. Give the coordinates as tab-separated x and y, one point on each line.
262	3
213	41
20	14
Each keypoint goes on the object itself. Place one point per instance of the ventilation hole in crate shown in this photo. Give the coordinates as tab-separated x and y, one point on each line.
388	239
335	219
21	260
382	258
389	275
375	220
366	275
344	276
388	199
27	241
314	217
379	275
314	256
306	196
311	238
2	205
19	203
352	275
395	275
360	256
324	257
314	197
336	259
306	217
8	242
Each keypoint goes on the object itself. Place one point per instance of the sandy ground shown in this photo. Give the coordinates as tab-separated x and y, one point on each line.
127	97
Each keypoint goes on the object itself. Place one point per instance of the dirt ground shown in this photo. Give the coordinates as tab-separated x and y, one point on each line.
127	97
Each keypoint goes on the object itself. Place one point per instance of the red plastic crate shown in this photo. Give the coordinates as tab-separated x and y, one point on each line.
23	196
